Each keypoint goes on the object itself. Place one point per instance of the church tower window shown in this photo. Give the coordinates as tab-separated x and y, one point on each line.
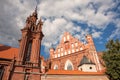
29	51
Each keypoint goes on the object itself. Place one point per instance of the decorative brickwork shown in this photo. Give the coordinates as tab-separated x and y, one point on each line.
72	50
71	60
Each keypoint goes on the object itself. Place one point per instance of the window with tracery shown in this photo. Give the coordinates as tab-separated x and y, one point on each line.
69	67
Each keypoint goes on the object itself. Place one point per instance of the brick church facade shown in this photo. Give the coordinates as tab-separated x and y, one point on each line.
71	60
71	54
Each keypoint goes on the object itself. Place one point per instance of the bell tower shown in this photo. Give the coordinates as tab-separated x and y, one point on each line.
31	40
28	64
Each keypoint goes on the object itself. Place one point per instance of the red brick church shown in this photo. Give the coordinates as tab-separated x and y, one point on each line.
71	60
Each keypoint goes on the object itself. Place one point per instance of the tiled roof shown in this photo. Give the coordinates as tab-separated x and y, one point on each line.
8	52
73	72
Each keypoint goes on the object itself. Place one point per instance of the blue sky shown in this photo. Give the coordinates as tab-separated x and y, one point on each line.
100	18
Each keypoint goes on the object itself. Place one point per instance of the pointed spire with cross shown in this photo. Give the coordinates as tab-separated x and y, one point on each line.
35	12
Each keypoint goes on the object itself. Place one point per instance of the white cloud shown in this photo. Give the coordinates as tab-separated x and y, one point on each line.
62	13
96	34
59	17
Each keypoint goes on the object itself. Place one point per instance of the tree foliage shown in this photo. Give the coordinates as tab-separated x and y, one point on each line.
112	59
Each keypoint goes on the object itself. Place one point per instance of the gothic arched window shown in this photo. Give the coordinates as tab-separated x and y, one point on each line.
55	67
68	65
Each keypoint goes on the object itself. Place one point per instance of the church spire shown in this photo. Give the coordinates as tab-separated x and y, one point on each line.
36	9
31	38
35	13
39	25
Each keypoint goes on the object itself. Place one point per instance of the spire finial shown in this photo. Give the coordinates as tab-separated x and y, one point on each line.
35	12
40	21
36	9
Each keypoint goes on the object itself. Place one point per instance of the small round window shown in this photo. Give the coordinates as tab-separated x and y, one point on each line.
90	67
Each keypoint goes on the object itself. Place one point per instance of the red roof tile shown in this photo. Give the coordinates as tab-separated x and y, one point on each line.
73	72
8	52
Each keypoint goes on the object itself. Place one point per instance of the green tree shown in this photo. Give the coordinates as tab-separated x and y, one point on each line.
112	59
